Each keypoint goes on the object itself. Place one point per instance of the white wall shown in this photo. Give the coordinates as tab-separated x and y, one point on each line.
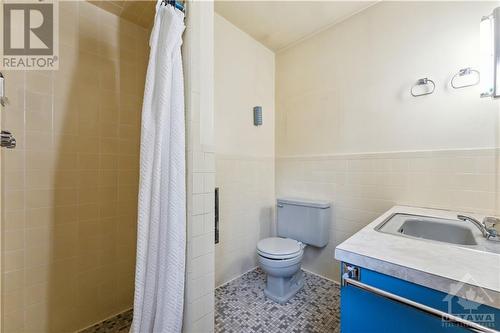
347	89
343	109
244	78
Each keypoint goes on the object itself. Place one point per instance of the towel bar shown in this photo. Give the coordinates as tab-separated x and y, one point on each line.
464	72
423	82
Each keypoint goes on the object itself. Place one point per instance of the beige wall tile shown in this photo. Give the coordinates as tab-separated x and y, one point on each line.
14	260
370	190
14	321
61	183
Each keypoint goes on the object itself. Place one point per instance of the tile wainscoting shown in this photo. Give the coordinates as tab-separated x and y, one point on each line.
363	186
246	212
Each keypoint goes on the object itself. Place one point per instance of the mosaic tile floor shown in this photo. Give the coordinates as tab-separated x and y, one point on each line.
118	324
240	306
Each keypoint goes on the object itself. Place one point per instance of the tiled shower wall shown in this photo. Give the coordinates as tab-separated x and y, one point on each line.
363	186
198	67
70	186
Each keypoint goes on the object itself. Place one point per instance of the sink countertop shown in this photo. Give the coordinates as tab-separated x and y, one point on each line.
440	266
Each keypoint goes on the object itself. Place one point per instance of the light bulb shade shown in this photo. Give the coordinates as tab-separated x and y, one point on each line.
490	54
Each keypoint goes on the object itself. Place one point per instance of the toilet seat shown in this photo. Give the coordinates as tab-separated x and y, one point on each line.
279	248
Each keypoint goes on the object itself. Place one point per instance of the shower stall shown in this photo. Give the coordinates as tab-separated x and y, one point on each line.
69	191
70	185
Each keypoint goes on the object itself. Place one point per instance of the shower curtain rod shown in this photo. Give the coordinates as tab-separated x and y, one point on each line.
176	4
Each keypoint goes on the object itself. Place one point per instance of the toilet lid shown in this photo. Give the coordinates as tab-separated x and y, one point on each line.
279	247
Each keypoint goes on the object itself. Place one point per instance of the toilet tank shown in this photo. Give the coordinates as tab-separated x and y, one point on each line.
304	220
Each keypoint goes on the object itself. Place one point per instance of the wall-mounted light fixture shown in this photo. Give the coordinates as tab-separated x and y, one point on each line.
490	54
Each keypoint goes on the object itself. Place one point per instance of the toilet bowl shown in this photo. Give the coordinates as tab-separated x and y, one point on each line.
298	222
280	259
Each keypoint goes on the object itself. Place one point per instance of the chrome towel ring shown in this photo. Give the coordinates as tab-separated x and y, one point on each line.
423	82
464	72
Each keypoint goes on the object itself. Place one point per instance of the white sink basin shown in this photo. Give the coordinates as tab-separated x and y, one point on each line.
438	231
430	228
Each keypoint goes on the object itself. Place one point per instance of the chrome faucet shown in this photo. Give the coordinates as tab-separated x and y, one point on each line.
486	227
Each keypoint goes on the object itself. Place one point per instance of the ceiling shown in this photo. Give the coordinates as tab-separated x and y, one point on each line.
138	12
278	24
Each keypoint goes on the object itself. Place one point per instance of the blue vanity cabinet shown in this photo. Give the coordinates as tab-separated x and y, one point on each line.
367	312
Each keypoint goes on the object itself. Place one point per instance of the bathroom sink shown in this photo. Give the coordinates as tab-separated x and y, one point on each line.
430	228
438	231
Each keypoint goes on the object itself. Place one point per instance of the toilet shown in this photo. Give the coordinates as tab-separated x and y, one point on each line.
300	223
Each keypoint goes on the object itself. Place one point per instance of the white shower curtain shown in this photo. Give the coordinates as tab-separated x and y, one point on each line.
161	239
